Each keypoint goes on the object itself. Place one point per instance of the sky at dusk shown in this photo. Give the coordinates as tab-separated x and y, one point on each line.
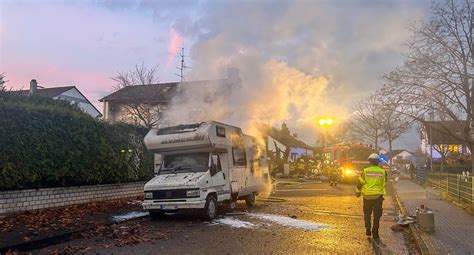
84	43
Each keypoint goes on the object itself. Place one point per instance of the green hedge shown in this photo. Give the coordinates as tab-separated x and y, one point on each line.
50	143
454	169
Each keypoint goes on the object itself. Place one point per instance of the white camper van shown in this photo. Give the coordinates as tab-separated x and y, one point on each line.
203	166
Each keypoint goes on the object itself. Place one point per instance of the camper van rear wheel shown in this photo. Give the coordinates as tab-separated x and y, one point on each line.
250	199
210	210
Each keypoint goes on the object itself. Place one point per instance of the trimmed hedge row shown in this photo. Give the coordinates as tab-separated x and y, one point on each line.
50	143
453	169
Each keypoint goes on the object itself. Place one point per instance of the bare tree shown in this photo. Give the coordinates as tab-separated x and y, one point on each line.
366	120
394	123
2	81
437	79
135	111
340	133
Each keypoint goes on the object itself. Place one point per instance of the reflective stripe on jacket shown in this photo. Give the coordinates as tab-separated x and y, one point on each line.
372	182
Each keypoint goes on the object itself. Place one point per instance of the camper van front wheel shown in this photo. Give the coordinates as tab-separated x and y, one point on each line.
156	214
210	210
250	199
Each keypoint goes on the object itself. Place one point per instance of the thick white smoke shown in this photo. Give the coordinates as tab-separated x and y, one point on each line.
273	93
283	49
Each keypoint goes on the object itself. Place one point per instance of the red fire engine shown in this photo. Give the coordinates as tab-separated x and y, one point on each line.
350	158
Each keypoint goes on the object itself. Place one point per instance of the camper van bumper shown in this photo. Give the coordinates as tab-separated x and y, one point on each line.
151	205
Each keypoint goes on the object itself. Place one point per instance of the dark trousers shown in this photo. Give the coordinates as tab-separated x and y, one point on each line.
374	206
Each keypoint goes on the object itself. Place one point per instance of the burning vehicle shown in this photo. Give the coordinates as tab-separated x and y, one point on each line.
203	166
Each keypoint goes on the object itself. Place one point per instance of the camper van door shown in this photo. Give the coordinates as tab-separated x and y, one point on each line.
218	174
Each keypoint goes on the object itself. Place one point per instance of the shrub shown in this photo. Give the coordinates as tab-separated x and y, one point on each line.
50	143
454	168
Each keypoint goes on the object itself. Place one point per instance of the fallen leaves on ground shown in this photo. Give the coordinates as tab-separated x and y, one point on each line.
74	217
133	232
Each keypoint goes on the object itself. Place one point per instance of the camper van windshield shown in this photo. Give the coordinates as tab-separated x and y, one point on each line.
189	162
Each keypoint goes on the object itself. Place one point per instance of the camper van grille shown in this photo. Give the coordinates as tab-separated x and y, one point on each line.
170	194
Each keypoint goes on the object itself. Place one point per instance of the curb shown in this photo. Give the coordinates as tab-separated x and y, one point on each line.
52	240
414	231
41	243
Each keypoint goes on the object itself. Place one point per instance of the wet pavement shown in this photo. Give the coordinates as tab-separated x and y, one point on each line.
452	224
309	218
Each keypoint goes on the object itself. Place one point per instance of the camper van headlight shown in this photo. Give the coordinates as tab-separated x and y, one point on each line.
193	193
148	195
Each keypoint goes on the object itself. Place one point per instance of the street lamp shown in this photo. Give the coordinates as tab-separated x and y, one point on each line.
325	123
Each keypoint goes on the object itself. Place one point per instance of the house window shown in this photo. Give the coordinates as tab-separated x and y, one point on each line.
239	156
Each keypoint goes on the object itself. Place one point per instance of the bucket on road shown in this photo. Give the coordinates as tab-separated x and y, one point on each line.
425	219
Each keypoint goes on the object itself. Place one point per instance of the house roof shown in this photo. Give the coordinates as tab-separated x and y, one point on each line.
394	153
55	91
284	138
47	92
445	132
161	92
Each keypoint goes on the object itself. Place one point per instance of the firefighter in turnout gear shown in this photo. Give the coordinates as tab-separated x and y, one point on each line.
371	186
333	174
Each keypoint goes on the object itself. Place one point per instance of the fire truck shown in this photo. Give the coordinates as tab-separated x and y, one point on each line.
349	158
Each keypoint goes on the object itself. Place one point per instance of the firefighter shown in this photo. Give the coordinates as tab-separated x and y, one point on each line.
333	174
371	186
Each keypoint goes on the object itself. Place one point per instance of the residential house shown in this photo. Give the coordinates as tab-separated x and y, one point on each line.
402	158
67	93
440	137
142	104
282	138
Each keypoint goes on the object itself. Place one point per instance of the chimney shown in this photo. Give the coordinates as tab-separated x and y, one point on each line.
284	129
33	86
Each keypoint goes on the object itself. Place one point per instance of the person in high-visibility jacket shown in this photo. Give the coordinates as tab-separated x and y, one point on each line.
371	186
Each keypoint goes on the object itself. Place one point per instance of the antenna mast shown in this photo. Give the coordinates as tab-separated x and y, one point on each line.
182	67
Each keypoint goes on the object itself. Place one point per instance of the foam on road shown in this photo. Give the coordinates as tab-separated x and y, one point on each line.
290	222
236	223
129	216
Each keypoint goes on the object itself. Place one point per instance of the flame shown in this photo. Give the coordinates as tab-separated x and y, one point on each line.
176	42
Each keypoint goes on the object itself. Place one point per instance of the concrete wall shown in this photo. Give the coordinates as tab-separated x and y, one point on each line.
32	199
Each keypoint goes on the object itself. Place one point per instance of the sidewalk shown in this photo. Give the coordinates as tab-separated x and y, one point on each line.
454	227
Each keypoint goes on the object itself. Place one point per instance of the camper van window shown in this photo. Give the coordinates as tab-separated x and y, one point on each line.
220	131
185	163
216	162
239	156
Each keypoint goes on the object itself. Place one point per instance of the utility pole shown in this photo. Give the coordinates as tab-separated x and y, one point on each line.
182	67
471	124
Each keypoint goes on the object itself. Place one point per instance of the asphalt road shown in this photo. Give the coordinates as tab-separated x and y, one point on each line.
261	230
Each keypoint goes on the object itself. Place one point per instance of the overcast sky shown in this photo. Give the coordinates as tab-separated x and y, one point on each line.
84	43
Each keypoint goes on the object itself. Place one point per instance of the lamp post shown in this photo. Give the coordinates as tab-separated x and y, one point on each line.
325	123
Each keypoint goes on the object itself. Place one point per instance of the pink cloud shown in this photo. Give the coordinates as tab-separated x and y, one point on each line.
176	43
